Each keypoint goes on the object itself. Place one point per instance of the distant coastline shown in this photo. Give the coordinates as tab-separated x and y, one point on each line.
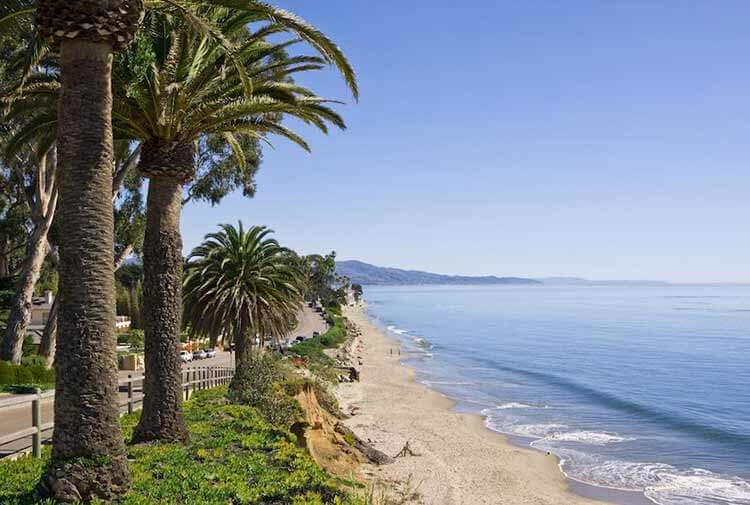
363	273
367	274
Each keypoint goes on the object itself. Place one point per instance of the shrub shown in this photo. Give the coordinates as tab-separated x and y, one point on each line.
23	375
28	348
259	384
28	375
42	375
34	360
326	399
136	339
7	373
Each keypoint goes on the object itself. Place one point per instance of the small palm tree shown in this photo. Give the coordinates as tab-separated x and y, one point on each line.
242	284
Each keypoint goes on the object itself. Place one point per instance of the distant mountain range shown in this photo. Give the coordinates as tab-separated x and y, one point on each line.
366	274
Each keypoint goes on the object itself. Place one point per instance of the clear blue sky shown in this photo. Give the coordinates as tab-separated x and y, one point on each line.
588	138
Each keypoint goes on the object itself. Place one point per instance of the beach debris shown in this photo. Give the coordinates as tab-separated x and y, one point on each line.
352	374
375	456
406	451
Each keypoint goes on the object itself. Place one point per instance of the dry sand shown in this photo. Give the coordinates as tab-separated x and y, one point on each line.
458	460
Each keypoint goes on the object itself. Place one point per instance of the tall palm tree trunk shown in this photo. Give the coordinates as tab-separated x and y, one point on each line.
20	310
49	335
88	454
162	417
242	348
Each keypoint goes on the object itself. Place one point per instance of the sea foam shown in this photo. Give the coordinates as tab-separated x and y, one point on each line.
661	483
584	437
518	405
396	330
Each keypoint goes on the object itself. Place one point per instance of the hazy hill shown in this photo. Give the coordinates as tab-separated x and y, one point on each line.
366	274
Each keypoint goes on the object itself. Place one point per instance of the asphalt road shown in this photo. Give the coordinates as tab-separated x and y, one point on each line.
309	321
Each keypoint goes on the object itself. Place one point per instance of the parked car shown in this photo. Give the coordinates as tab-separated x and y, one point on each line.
300	339
186	356
210	353
200	355
316	334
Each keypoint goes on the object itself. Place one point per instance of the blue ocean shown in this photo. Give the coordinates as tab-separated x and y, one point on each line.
634	388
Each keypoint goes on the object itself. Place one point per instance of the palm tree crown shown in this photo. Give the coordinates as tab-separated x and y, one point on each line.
240	283
177	86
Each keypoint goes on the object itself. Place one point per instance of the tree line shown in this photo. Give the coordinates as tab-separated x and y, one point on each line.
101	99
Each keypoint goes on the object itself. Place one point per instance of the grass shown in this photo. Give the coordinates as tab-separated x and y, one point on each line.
233	457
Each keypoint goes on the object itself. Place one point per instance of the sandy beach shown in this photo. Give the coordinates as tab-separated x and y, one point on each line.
456	459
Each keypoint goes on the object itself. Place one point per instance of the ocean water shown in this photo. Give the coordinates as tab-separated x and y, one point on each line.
634	388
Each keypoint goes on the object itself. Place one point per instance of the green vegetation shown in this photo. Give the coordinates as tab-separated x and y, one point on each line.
261	385
129	284
357	290
243	284
325	285
134	338
193	90
234	456
25	378
312	349
296	384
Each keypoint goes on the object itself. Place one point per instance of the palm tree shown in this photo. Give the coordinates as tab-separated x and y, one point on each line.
190	94
242	284
87	427
85	33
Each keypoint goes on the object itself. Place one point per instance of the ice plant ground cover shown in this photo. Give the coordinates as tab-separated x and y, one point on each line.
233	457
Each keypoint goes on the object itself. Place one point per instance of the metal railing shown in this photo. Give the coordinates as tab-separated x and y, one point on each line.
130	399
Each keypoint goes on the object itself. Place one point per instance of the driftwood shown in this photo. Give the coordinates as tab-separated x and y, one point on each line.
406	451
353	373
372	454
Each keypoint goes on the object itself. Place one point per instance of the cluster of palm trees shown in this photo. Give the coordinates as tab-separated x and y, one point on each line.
166	83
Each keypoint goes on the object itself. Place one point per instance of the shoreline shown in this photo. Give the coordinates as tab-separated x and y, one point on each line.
458	459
